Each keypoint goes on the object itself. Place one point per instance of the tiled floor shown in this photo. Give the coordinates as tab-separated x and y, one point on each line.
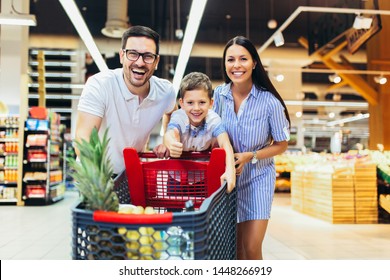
44	232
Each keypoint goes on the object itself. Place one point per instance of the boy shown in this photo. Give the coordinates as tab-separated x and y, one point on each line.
195	127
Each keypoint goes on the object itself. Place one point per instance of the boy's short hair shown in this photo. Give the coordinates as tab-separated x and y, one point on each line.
196	80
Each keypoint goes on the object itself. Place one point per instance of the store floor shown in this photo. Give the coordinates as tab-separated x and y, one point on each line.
44	232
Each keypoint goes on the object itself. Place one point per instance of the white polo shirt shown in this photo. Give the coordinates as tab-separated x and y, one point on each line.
105	95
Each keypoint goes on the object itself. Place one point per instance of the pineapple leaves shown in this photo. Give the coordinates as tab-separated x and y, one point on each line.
93	172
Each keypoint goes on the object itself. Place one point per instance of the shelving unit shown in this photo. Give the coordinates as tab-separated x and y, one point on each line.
43	180
9	147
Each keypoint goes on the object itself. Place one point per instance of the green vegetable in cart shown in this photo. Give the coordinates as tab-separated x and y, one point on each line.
93	173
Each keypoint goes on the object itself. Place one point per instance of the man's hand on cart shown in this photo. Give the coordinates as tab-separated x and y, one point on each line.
161	151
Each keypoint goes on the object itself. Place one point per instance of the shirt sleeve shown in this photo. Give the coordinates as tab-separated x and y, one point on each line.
178	120
92	98
216	98
214	123
279	124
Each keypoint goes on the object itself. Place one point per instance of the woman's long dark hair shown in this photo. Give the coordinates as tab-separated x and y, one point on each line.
259	75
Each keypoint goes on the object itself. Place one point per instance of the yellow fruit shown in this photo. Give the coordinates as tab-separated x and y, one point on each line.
149	210
126	209
122	230
144	240
138	210
133	235
143	231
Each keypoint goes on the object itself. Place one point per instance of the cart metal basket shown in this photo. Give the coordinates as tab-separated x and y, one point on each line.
208	232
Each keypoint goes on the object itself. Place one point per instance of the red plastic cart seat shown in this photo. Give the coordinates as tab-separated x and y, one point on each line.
169	183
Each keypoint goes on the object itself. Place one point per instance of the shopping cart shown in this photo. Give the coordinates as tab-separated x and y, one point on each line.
207	232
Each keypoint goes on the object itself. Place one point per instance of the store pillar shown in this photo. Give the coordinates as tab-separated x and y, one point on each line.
14	61
378	58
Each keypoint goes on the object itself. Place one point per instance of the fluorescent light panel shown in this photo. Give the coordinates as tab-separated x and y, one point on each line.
52	52
55	96
362	22
350	119
54	63
74	14
58	85
18	19
361	105
196	14
53	74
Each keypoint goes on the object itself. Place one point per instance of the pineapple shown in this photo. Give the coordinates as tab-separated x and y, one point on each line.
92	174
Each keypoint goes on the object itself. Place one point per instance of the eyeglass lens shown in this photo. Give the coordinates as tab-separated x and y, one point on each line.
134	55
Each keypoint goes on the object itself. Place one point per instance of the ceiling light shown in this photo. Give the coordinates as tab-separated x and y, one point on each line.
362	22
272	24
279	77
380	79
179	34
334	78
117	20
298	114
300	95
196	14
79	24
279	39
336	97
16	18
331	115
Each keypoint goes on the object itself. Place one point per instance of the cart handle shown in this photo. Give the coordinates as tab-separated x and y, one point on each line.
131	219
191	155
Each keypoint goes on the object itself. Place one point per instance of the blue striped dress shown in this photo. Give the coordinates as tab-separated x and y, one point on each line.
260	118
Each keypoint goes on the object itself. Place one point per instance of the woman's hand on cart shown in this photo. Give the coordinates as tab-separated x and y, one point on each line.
230	178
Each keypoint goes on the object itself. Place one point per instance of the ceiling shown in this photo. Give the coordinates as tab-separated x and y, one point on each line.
221	21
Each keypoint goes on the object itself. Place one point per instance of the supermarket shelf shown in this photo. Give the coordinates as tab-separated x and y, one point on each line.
10	200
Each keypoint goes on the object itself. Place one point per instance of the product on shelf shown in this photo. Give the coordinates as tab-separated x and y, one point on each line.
42	158
9	147
36	140
34	176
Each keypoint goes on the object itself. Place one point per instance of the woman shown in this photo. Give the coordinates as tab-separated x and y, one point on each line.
257	123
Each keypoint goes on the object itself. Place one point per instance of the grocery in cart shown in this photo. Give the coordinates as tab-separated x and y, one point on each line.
176	209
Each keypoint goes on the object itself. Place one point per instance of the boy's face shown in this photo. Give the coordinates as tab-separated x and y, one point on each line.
196	103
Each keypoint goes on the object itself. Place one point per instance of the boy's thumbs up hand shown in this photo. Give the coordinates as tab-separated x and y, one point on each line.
172	142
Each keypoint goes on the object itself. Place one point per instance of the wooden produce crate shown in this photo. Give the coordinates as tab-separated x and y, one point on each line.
324	195
344	195
297	190
366	197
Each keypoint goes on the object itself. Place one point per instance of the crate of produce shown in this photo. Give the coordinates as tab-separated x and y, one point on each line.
156	230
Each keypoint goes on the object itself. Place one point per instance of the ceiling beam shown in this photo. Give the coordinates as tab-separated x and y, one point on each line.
354	80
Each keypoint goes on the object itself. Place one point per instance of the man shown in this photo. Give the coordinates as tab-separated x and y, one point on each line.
130	101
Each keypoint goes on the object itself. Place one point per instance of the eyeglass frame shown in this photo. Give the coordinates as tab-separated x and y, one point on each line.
140	54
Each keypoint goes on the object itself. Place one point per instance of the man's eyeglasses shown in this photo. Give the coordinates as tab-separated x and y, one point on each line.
133	55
